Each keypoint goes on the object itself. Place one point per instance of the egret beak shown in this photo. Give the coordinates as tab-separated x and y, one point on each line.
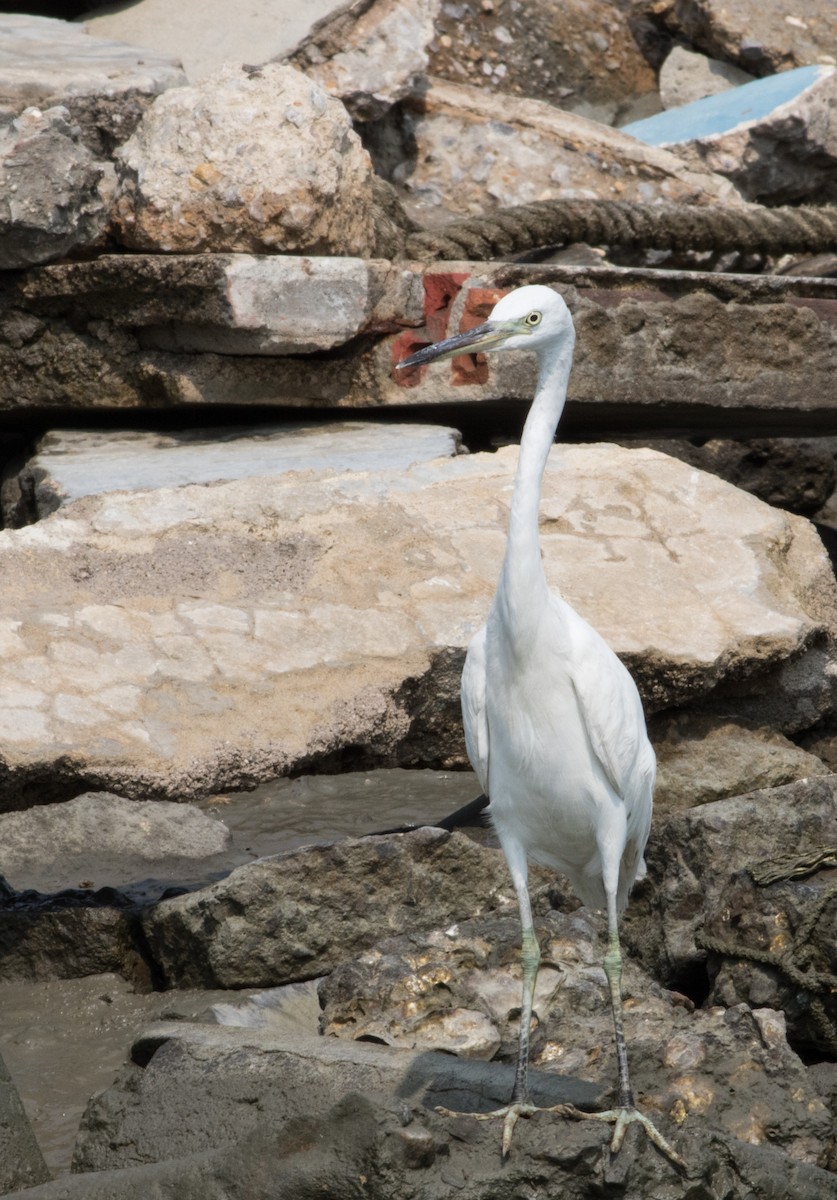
484	337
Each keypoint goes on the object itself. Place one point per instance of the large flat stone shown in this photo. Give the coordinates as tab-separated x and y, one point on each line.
681	350
186	640
207	34
71	463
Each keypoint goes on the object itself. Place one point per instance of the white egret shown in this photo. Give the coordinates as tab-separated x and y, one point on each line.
554	726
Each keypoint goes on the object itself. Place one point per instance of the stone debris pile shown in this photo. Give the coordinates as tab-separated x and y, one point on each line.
199	595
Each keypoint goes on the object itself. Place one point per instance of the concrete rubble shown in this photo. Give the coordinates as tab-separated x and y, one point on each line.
762	38
51	194
222	975
472	151
773	138
104	85
301	182
686	76
145	628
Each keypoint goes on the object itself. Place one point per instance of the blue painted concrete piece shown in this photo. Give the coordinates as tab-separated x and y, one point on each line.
725	111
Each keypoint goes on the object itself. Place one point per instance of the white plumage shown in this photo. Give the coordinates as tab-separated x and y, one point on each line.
553	721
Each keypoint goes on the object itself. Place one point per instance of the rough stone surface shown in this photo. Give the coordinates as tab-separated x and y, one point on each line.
105	85
695	349
50	197
762	38
581	56
266	925
686	76
370	55
773	138
433	991
250	160
799	474
208	34
45	847
176	642
21	1162
692	855
75	932
716	347
781	913
474	151
70	463
703	759
227	304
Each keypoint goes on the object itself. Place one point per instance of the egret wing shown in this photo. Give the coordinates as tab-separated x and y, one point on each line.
615	723
474	716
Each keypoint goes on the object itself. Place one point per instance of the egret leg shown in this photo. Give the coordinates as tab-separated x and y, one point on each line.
625	1113
520	1104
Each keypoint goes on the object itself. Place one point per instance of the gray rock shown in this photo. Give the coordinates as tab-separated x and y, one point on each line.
693	855
267	924
50	198
372	55
69	463
686	76
21	1162
703	759
112	839
105	85
304	183
773	138
439	991
76	932
761	37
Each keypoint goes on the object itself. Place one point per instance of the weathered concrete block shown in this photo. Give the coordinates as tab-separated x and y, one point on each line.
774	138
105	85
50	198
71	463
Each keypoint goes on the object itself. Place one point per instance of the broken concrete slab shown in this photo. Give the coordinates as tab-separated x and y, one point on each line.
180	641
71	463
581	56
208	34
105	85
470	151
240	304
679	349
773	138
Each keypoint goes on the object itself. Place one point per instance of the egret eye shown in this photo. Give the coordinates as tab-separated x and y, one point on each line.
533	319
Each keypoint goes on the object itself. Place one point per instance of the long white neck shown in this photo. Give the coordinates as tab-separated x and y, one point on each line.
522	582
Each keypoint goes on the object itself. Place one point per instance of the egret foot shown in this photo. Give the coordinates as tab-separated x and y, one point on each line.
621	1118
511	1114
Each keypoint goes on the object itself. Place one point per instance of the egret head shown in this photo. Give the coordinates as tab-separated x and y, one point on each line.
529	318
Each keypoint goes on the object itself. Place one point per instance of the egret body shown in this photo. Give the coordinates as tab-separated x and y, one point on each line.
554	726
